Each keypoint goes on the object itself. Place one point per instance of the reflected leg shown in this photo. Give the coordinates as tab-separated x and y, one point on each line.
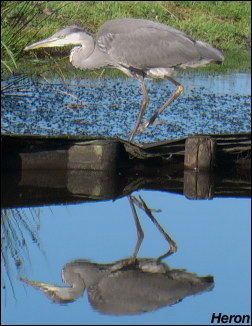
140	234
178	91
172	244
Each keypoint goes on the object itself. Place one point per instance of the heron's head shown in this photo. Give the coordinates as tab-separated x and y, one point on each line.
61	294
70	35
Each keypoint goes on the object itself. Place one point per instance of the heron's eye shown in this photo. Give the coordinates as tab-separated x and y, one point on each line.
62	36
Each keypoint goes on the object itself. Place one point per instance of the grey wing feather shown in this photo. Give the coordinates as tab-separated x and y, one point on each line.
142	44
150	48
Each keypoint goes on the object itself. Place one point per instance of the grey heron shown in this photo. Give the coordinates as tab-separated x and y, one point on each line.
138	47
125	287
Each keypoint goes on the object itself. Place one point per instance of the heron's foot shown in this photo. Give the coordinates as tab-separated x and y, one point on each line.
143	126
131	140
123	263
146	124
153	266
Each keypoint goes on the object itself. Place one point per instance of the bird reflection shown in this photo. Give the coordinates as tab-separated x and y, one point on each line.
125	287
128	286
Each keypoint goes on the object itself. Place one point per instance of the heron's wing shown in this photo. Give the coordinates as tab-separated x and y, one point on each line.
152	45
132	291
147	48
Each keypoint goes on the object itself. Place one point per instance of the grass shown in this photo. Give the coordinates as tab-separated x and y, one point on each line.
225	24
17	226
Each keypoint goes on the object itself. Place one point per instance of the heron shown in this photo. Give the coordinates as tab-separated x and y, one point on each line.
125	287
138	47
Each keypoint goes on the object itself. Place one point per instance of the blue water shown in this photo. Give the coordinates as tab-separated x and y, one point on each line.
213	238
109	107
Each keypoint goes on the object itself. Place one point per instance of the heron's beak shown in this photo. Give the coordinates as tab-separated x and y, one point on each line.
53	292
47	43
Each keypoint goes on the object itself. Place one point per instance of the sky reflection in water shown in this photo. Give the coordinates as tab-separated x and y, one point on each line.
213	237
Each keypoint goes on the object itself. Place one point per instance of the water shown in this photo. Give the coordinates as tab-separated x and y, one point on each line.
213	236
109	107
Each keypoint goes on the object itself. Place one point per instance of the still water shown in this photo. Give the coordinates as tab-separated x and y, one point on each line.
212	236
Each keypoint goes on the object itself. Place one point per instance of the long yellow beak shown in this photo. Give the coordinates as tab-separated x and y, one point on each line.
47	43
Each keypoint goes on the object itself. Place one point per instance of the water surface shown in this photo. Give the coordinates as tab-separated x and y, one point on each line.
109	107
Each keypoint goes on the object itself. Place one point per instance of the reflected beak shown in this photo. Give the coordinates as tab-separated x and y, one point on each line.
39	285
56	293
47	43
53	292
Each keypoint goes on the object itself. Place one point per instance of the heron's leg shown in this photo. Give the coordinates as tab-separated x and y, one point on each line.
142	109
172	243
178	91
140	234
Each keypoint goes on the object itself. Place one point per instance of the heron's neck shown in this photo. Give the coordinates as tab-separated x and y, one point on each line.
88	56
80	54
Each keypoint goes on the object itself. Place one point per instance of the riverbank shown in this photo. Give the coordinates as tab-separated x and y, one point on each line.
225	24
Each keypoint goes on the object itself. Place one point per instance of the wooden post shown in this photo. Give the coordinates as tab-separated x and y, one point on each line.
198	185
93	155
86	155
199	153
198	163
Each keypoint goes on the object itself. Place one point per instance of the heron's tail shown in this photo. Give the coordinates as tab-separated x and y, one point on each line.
208	52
